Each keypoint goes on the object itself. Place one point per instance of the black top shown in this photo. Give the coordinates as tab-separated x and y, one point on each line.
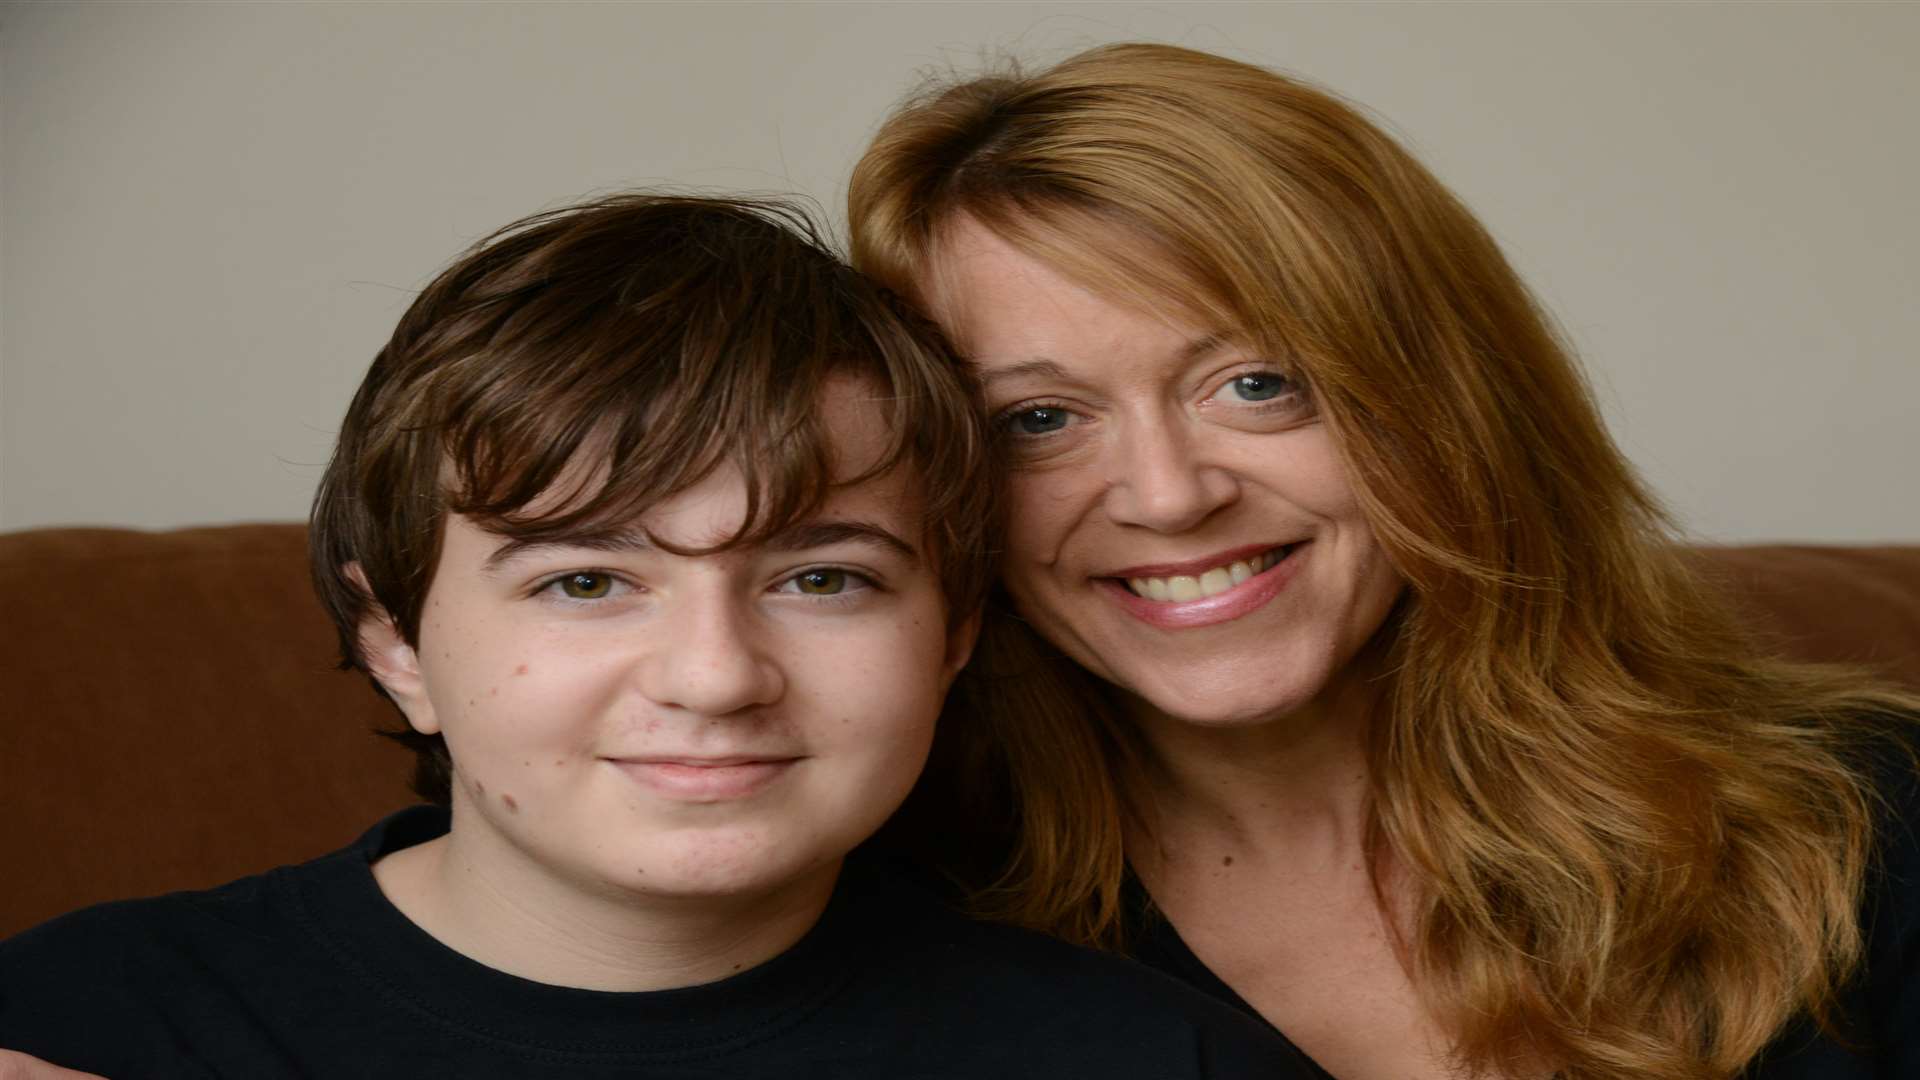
1881	1007
309	971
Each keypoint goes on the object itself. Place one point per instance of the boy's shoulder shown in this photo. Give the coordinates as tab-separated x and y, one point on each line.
116	985
248	914
185	927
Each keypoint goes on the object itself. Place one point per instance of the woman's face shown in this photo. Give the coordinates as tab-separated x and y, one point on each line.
1181	523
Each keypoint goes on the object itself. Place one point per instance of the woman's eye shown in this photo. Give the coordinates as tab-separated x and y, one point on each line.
1259	386
1037	420
585	585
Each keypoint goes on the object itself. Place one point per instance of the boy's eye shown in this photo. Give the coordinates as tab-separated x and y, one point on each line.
822	582
586	585
832	581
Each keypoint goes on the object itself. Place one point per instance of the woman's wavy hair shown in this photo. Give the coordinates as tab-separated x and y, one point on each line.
1637	846
657	337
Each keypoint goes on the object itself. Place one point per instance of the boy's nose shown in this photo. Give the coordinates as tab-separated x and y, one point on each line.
711	661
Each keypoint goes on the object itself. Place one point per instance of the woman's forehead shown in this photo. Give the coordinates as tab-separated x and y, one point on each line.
978	273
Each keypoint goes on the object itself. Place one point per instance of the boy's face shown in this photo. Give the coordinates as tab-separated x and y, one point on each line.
634	720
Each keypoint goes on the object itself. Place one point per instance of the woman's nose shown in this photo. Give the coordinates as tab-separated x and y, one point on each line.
1158	480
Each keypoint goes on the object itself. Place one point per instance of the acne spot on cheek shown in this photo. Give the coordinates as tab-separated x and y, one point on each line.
521	670
653	725
1226	860
512	807
493	691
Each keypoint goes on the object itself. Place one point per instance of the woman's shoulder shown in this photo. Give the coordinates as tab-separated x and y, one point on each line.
1887	756
1893	884
1876	1036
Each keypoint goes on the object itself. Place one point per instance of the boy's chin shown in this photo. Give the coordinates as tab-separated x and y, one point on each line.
719	870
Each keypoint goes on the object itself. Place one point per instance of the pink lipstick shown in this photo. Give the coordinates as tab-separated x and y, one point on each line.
1187	604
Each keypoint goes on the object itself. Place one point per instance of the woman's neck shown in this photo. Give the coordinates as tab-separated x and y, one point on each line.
1297	784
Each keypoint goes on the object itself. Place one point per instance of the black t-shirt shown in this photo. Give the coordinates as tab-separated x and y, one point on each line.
309	971
1880	1009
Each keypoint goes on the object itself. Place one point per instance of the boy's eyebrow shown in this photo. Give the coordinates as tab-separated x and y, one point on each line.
801	537
617	542
813	534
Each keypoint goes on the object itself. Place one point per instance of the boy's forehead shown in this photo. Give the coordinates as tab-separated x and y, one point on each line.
860	503
853	418
855	422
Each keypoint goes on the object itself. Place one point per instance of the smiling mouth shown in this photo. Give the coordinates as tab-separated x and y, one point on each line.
1183	588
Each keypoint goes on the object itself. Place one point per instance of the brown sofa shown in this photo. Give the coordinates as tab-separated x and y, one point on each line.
171	716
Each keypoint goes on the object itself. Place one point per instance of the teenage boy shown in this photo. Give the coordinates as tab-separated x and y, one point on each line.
666	534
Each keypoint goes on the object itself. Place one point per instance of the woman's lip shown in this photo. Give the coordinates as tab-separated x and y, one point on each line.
1242	599
708	780
1194	567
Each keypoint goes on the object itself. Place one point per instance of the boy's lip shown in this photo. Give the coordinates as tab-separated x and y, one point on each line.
702	761
691	778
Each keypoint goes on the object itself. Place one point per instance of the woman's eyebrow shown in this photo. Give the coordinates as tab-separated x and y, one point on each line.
816	534
1041	367
1204	344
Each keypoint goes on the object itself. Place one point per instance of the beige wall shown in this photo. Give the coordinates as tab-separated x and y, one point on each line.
211	214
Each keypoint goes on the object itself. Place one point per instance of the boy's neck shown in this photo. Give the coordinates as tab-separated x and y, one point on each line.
499	909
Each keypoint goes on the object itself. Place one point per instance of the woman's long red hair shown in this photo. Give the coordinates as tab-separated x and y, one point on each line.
1636	845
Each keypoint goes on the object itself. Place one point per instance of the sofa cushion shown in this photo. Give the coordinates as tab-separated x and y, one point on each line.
1848	605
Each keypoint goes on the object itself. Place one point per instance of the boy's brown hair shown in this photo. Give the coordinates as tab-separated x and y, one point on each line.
663	337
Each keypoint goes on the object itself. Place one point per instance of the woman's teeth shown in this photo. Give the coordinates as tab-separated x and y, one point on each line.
1212	583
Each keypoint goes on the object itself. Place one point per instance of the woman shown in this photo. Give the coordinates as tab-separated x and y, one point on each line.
1395	718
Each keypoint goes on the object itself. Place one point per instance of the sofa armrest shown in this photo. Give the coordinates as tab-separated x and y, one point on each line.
173	717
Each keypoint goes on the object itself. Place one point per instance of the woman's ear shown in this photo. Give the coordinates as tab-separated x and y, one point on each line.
393	663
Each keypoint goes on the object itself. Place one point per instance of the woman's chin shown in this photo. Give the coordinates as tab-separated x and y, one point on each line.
1223	712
